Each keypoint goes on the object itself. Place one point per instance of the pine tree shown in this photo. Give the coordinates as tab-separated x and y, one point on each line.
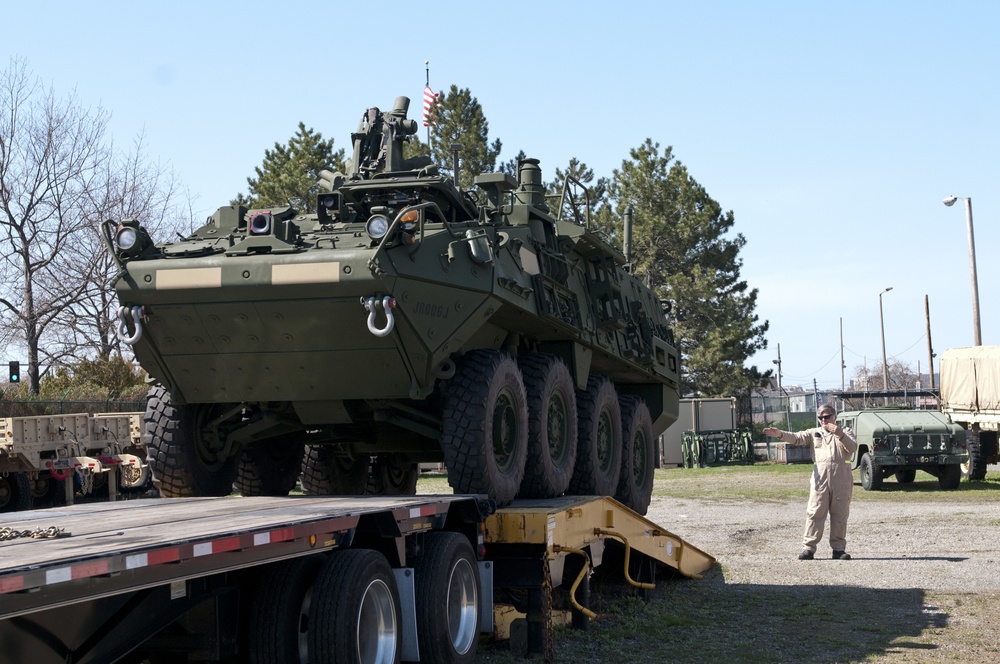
458	118
290	173
683	246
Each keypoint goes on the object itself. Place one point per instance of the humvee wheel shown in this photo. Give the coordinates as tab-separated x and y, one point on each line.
599	442
950	477
269	468
15	492
328	471
392	475
871	473
635	484
184	449
906	476
485	434
552	433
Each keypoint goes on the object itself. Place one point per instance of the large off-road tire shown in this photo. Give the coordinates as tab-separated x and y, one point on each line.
599	440
485	433
355	615
981	447
279	622
906	476
871	473
392	475
186	457
15	492
635	483
950	477
552	426
327	471
269	468
446	579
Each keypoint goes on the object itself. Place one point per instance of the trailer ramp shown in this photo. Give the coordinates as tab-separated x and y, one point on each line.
541	545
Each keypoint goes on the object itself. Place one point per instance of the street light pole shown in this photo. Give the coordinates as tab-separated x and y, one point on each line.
977	336
885	363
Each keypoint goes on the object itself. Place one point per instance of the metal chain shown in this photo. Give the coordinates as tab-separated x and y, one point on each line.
39	533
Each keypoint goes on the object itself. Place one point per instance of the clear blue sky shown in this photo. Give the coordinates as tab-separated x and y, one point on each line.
832	130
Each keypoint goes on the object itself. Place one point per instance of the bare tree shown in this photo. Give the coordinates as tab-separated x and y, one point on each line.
901	375
51	149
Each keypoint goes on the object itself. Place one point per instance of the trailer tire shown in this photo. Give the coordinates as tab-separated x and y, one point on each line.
871	473
15	492
635	484
906	476
446	578
981	446
392	475
599	444
270	468
328	472
950	477
185	460
47	491
485	434
280	612
355	614
552	426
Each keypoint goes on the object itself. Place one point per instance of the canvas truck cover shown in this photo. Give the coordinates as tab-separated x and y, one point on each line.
970	379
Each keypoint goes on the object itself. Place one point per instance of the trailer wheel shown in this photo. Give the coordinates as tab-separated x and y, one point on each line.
15	492
950	477
552	426
270	468
871	473
635	485
446	579
906	476
327	471
186	447
280	614
980	447
47	491
392	475
131	478
599	447
355	615
485	434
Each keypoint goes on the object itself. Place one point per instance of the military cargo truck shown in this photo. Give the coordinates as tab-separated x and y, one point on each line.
404	321
901	442
970	396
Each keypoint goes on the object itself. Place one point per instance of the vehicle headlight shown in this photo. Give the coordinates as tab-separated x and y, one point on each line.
376	226
126	238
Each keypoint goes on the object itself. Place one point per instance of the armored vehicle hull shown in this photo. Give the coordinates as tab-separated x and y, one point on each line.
405	321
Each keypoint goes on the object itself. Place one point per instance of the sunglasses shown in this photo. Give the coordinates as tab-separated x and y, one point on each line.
826	417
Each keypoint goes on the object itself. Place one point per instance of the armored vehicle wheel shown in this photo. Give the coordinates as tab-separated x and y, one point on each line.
950	477
906	476
279	614
485	435
599	443
355	615
392	475
552	426
446	578
328	471
635	484
270	468
871	473
15	492
184	447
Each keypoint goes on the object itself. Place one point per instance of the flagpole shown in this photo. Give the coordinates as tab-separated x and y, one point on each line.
427	83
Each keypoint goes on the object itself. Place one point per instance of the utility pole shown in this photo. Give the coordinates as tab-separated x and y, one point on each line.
842	365
930	347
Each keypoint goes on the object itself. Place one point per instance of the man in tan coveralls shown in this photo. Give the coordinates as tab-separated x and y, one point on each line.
832	482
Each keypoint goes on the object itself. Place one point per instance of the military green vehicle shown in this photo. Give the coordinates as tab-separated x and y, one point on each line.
901	442
405	321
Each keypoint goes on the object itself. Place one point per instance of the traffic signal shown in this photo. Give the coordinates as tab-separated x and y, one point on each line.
15	372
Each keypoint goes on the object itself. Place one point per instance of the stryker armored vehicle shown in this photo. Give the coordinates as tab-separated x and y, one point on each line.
901	442
405	321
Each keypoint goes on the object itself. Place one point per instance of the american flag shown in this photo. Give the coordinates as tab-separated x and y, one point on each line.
430	99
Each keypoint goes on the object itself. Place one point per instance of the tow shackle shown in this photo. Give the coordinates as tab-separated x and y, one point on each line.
372	305
122	330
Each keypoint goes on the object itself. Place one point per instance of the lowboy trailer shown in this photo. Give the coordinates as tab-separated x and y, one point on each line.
306	579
